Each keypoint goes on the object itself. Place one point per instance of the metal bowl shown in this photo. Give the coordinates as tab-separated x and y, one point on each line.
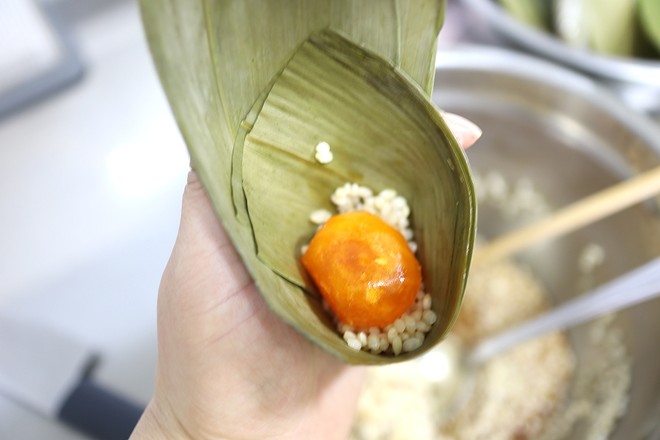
570	138
643	74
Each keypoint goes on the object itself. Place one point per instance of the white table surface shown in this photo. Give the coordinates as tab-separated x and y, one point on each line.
88	217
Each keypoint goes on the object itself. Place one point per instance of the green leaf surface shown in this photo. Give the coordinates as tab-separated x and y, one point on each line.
384	133
535	13
225	64
649	17
612	26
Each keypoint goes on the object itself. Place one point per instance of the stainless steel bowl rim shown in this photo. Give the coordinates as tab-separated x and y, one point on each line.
491	59
630	70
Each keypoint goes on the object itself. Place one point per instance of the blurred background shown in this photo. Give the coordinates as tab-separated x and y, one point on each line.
92	169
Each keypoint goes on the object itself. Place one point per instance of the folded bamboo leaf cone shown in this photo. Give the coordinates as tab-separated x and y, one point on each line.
264	181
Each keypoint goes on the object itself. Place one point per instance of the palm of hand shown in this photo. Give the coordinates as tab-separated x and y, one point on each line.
224	358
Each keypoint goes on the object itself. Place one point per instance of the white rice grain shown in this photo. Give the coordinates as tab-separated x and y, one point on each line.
429	317
426	302
399	325
373	342
320	216
354	344
411	344
397	345
323	155
410	323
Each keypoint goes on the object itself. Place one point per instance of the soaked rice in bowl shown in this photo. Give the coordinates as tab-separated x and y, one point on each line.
537	390
534	391
514	395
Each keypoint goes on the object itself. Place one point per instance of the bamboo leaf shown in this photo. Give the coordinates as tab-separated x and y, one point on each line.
215	58
225	64
649	17
612	26
383	133
417	42
535	13
268	32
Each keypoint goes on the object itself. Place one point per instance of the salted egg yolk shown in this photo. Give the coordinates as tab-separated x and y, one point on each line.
363	268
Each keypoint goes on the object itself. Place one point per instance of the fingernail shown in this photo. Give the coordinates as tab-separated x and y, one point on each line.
465	131
191	176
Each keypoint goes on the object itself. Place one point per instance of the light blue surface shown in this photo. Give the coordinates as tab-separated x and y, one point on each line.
91	188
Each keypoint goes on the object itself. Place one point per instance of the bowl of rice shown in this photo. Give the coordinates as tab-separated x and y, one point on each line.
551	137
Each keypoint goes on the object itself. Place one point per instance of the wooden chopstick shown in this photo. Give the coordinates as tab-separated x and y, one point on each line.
574	216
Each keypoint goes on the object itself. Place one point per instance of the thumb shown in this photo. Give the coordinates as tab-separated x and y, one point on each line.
200	232
204	270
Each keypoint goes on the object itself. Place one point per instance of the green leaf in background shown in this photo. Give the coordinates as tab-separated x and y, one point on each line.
252	83
605	26
215	58
623	28
649	17
612	26
535	13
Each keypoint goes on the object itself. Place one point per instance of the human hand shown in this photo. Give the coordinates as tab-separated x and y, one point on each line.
228	368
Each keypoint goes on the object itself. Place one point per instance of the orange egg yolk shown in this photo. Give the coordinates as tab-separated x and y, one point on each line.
364	269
